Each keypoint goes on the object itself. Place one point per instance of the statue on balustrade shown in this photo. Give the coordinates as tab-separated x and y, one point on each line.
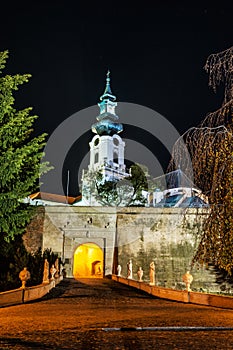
140	274
46	272
130	269
52	271
152	273
187	279
24	276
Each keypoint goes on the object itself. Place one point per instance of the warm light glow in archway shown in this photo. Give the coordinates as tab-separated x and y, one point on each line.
88	261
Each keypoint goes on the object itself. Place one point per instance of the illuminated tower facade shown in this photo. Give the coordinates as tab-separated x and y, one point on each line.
106	147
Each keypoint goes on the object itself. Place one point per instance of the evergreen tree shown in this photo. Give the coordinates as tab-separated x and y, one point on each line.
20	156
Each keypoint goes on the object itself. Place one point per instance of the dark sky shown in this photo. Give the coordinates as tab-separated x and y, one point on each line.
155	50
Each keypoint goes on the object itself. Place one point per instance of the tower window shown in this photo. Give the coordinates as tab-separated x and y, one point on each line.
115	157
116	141
96	142
96	157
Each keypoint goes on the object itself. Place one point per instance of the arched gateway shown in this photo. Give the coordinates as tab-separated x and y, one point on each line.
88	261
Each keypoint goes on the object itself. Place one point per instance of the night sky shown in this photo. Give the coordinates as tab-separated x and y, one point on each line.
155	51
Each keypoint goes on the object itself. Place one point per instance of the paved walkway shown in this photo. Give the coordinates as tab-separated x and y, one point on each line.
100	314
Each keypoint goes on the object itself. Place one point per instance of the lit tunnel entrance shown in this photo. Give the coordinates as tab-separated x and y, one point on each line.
88	261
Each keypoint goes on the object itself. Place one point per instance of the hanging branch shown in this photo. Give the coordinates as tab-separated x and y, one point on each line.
220	69
210	146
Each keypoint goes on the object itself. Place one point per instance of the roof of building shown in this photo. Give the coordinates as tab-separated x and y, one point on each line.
55	197
174	179
179	191
185	202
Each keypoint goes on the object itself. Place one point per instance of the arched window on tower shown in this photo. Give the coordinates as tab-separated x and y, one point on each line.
115	157
96	158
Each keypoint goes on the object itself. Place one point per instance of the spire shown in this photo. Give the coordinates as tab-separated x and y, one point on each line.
107	120
108	92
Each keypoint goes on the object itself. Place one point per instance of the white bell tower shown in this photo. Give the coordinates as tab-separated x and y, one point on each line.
107	147
107	154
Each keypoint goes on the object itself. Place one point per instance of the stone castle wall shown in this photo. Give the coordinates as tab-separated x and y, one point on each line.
169	237
65	228
33	239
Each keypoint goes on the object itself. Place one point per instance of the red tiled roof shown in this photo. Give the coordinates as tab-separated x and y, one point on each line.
55	197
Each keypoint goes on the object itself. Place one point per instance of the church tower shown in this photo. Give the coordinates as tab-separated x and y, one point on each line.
107	147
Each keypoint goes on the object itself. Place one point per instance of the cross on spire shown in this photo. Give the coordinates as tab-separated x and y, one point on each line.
108	92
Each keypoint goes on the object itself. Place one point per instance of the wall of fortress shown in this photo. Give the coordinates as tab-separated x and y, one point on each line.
168	236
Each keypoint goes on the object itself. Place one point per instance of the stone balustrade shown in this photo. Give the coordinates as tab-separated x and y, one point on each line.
23	295
184	296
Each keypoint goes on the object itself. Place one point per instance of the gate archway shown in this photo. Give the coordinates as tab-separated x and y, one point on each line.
88	261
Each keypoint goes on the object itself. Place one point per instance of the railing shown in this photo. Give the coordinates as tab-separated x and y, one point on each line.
184	296
23	295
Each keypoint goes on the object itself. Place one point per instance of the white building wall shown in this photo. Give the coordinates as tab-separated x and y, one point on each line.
119	149
107	147
105	150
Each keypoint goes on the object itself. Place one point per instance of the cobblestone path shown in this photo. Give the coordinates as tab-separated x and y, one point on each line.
81	315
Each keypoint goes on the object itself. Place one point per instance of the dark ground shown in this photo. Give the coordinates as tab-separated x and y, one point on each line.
74	314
